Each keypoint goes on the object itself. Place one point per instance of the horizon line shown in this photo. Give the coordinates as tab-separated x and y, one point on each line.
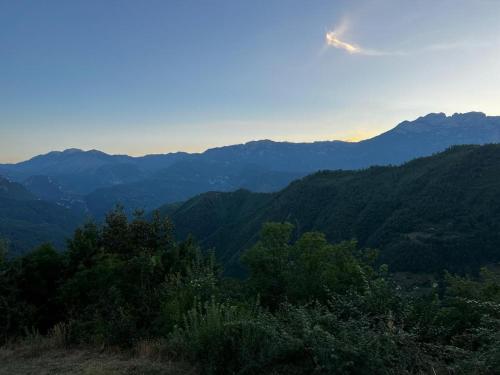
351	140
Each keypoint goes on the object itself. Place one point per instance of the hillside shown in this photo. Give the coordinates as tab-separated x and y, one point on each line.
434	213
12	190
26	222
97	181
184	180
127	299
232	167
80	172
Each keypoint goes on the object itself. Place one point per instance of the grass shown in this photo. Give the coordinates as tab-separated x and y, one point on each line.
39	355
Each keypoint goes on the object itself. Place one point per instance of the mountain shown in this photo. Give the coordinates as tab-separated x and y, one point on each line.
408	140
12	190
231	167
47	189
44	187
27	222
81	172
94	182
184	180
433	213
98	181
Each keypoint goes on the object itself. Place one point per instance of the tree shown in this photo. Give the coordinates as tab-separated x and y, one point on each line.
38	276
3	251
309	269
84	246
269	262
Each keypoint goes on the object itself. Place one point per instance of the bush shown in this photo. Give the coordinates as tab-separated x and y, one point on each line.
229	339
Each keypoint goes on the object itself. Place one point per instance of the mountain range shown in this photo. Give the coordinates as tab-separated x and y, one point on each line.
430	214
90	183
98	181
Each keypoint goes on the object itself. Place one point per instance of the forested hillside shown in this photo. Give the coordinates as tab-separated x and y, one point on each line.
27	222
185	179
435	213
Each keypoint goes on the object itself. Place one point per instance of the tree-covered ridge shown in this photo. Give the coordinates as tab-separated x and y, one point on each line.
27	222
13	190
434	213
308	306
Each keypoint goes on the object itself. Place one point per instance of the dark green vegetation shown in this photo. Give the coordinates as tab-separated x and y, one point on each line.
307	307
435	213
27	222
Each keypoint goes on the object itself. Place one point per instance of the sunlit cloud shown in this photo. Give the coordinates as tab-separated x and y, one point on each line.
334	41
335	38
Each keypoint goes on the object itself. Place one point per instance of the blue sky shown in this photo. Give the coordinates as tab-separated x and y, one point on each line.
150	76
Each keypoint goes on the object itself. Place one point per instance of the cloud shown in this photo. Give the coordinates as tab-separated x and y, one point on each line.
335	39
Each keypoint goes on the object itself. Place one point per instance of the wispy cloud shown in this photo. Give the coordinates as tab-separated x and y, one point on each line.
335	38
334	41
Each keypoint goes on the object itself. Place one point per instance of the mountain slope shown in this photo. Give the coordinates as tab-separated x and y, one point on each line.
408	140
81	172
144	182
12	190
184	180
232	167
429	214
27	222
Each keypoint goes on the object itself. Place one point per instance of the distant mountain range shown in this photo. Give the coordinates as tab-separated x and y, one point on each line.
430	214
90	183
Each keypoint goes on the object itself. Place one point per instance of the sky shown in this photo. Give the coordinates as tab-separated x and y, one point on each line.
140	77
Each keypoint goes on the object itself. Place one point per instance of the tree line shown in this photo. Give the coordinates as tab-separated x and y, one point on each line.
305	306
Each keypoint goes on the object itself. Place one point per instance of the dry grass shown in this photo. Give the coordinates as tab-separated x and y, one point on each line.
44	356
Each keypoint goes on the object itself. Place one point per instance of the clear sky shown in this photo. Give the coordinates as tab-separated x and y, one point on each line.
149	76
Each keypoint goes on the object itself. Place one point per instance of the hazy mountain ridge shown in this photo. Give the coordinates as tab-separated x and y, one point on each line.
186	179
422	137
81	172
93	182
440	130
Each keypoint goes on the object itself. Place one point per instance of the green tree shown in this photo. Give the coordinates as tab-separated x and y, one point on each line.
3	251
309	269
37	277
269	263
84	246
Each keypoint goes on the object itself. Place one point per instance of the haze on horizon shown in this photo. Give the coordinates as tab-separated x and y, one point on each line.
130	77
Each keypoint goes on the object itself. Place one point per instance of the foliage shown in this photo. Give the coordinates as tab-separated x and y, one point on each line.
309	269
306	307
434	213
3	251
29	223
